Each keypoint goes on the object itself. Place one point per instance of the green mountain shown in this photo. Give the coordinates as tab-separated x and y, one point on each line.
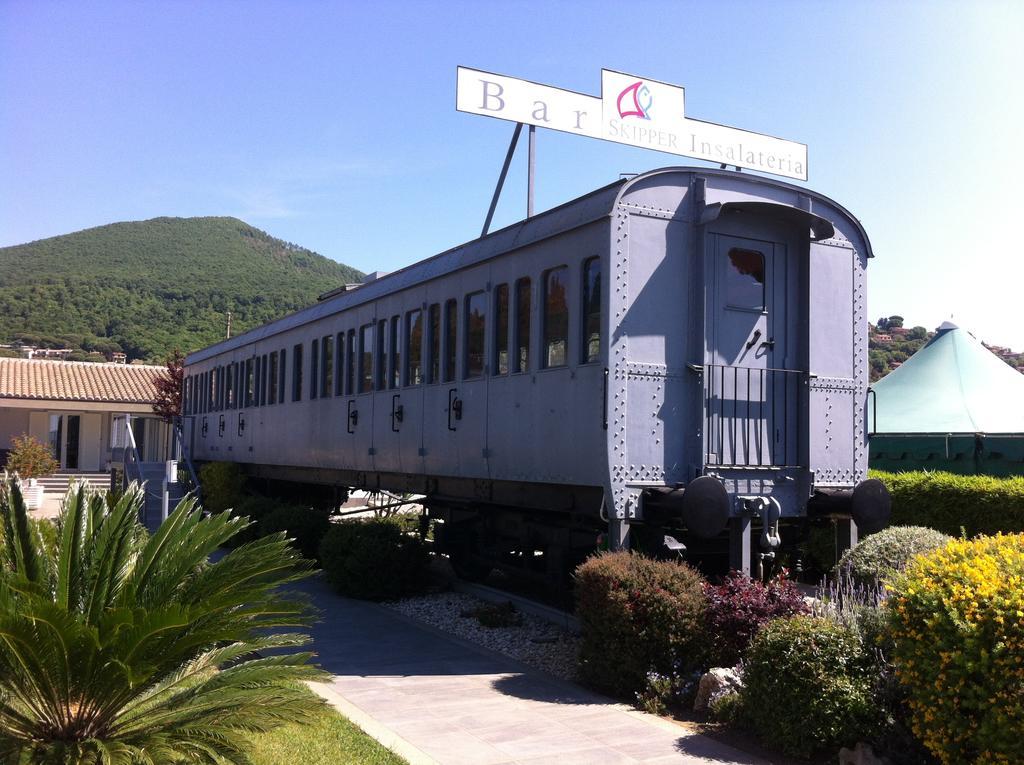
148	287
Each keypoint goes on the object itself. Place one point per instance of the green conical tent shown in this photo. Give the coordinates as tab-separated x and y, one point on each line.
953	405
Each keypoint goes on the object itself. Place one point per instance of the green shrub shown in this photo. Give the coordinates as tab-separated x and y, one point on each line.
307	526
978	504
223	485
256	508
374	559
957	617
878	557
807	685
639	617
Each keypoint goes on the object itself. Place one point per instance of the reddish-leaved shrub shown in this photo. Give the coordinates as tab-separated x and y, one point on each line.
739	607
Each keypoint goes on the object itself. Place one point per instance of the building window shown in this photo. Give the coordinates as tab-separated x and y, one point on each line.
272	398
326	367
383	352
591	310
297	372
414	347
476	334
314	368
522	339
395	377
434	340
366	358
451	308
501	329
556	317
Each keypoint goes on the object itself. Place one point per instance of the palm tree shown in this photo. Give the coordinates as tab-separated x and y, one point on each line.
121	647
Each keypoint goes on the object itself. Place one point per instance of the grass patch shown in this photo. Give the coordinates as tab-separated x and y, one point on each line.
331	740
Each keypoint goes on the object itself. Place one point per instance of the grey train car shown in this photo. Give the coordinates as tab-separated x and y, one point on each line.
676	357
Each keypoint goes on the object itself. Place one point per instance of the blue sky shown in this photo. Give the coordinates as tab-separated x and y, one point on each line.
332	124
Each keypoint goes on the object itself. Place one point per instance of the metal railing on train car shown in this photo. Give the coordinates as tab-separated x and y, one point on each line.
753	417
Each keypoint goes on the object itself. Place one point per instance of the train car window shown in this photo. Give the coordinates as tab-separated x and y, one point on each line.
186	405
280	386
395	377
365	358
272	397
339	364
229	377
556	317
522	327
383	353
591	346
451	308
501	329
350	363
314	361
744	280
260	396
476	334
240	384
434	341
414	347
214	388
221	387
250	382
326	366
263	381
297	372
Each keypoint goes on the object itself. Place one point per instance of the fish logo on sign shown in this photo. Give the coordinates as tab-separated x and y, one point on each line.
638	99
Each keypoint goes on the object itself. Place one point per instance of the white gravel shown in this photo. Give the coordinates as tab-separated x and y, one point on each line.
535	641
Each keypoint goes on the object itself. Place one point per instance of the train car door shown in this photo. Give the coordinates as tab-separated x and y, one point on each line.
441	413
468	405
407	410
359	411
387	398
751	395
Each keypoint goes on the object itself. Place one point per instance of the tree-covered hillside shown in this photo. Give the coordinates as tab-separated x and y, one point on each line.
152	286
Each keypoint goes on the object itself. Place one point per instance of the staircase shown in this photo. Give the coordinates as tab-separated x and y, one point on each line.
153	483
56	485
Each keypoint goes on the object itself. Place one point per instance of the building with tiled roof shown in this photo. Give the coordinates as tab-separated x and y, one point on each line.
76	406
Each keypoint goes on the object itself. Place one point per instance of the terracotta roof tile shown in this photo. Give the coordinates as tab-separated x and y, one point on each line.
78	381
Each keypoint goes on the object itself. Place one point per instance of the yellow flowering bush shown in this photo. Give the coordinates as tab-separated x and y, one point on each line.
957	616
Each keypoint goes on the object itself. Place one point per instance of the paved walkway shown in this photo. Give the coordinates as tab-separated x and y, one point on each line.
434	698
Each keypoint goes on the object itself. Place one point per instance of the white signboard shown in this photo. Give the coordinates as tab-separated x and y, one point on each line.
632	110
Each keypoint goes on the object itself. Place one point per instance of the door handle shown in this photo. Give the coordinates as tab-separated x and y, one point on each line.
241	423
353	417
206	426
753	341
769	343
397	413
220	427
454	407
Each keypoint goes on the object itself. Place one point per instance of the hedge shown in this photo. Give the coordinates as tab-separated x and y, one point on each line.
374	559
947	502
878	557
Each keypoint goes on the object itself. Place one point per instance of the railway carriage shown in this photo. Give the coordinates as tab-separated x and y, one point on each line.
676	357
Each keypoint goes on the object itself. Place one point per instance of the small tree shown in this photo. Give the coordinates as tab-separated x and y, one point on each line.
168	389
30	458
